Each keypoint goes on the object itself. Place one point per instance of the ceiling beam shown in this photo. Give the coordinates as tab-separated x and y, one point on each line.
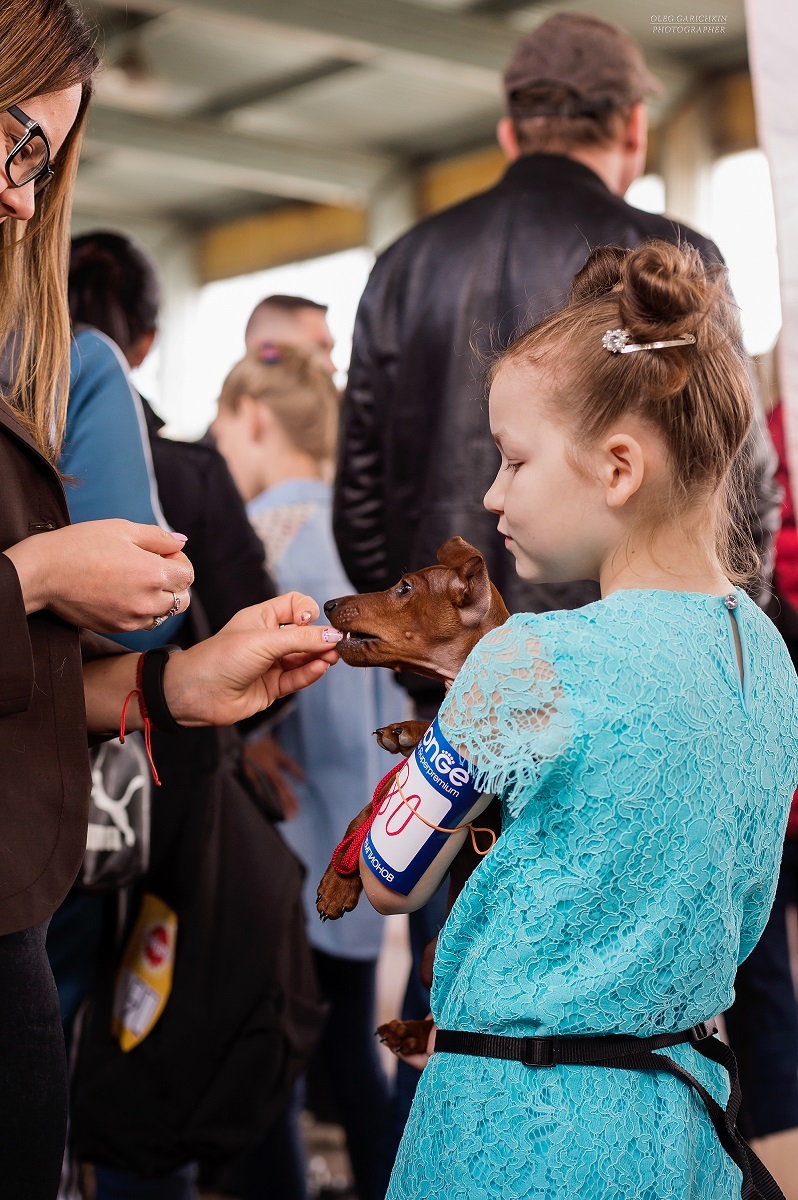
275	89
200	151
272	239
472	48
501	8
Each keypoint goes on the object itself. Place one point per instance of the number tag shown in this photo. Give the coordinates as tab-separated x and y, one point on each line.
436	784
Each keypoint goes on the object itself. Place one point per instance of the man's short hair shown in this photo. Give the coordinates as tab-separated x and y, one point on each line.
559	132
288	305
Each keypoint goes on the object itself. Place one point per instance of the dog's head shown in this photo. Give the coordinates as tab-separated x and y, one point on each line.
428	622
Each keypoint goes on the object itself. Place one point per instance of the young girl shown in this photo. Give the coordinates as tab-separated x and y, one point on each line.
645	748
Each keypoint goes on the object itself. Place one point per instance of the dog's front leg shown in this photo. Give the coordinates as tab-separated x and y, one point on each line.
339	894
402	737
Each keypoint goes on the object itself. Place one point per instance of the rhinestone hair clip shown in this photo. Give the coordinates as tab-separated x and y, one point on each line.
617	342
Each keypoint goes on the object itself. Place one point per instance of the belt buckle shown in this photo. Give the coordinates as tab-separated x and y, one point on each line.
702	1031
538	1052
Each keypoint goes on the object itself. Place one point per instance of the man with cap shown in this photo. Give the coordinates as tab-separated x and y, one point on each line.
416	454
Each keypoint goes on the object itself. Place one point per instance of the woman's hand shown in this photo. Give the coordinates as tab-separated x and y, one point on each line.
264	652
110	576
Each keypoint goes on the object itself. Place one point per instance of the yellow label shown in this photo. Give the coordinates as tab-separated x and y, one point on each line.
144	980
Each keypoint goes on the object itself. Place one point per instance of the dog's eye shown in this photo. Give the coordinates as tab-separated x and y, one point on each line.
404	587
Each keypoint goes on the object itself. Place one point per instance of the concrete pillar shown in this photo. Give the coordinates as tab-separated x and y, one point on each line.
772	38
393	209
685	163
178	367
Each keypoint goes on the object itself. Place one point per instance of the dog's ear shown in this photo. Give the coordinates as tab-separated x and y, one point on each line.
455	552
469	586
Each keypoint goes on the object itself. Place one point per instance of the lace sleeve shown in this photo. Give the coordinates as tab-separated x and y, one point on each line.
507	712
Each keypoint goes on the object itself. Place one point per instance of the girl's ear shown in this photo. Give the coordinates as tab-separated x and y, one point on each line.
261	421
622	468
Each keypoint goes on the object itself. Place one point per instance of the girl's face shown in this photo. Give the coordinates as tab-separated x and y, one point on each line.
556	520
56	114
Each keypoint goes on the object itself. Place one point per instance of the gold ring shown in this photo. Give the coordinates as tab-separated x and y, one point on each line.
158	621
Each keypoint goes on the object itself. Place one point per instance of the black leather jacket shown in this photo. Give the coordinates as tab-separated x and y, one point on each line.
416	454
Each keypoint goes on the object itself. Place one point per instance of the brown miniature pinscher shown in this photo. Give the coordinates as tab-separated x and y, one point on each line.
428	623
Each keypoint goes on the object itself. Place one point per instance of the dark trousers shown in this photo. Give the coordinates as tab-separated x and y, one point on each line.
349	1048
763	1023
112	1184
425	923
276	1171
33	1075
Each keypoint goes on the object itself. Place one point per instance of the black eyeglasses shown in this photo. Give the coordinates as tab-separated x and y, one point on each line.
29	157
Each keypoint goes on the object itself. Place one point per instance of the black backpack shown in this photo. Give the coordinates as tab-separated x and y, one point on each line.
244	1012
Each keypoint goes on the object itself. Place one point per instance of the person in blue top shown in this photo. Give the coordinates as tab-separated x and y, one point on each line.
277	427
106	453
645	750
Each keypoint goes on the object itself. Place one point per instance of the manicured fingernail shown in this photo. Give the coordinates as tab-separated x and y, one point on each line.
180	537
305	617
331	635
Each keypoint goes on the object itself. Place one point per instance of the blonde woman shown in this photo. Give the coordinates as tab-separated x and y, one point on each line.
55	579
277	426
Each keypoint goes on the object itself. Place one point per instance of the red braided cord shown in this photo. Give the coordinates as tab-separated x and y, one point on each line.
147	722
346	855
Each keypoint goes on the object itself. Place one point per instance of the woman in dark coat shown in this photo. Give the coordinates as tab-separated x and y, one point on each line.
58	686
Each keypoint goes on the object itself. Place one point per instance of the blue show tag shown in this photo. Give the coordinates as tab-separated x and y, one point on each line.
434	782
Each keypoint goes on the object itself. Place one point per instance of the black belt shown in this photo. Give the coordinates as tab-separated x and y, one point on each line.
633	1054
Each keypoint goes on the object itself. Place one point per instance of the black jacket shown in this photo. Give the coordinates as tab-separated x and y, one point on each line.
416	455
199	498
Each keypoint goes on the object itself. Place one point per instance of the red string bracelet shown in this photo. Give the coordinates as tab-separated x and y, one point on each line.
137	691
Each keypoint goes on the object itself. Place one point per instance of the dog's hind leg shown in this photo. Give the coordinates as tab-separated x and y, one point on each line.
405	1037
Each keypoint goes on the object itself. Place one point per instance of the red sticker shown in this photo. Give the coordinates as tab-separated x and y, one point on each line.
156	946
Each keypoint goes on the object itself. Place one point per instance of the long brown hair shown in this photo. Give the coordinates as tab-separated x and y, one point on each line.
697	396
45	47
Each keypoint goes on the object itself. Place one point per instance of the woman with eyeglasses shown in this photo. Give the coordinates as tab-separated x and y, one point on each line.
58	686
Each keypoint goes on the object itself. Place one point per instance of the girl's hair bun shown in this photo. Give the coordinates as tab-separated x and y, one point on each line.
664	291
299	392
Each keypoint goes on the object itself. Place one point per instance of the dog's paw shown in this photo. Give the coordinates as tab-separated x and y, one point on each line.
405	1037
338	894
401	738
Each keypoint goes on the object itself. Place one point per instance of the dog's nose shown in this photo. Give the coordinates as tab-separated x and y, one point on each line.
330	606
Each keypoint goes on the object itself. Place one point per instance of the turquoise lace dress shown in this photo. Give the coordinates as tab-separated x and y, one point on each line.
645	792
